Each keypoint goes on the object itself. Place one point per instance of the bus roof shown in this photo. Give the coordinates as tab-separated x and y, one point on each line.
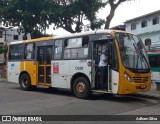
33	40
66	36
88	33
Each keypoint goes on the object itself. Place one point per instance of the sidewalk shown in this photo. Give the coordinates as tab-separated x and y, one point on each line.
152	94
2	79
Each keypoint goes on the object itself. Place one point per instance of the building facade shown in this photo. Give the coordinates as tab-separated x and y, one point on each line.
10	34
148	28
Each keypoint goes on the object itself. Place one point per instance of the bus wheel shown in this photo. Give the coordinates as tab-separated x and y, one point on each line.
25	82
81	88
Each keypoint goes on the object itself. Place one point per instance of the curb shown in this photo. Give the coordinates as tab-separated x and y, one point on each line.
149	96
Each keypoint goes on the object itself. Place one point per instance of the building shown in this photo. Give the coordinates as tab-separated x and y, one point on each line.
10	34
148	28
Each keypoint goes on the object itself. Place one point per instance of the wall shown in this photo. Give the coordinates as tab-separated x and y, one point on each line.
151	31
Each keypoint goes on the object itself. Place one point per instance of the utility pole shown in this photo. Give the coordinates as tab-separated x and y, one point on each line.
5	43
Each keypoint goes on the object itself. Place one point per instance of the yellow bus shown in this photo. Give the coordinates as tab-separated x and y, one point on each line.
72	62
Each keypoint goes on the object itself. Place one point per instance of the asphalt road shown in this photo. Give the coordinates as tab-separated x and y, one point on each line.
42	101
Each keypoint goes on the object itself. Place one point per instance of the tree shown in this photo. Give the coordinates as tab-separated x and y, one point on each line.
73	12
113	6
27	15
34	17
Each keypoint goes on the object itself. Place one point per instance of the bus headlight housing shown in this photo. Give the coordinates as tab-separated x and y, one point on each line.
128	77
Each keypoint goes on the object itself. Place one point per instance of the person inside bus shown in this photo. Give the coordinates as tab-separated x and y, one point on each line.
103	70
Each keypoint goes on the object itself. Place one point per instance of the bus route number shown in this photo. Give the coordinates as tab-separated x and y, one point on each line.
78	68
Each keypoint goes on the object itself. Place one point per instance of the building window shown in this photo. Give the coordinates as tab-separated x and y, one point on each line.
1	34
133	26
24	37
144	23
147	42
15	37
155	20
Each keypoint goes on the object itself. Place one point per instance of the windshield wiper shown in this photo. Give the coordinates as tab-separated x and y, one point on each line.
142	54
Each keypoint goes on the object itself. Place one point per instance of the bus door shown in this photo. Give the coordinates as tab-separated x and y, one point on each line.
95	61
109	65
44	57
98	47
113	67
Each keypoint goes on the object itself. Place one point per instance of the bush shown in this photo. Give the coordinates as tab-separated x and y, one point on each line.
4	49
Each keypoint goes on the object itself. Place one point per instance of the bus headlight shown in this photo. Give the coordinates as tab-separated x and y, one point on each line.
128	77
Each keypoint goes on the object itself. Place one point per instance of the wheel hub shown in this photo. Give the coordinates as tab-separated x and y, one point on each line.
80	88
25	82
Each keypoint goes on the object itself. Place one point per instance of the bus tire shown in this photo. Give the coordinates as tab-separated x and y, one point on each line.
25	82
81	88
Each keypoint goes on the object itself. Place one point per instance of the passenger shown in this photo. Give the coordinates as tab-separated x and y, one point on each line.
103	70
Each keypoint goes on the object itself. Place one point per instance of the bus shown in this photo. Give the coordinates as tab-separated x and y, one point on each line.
71	62
154	59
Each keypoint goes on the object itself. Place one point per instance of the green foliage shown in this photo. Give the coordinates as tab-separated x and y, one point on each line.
3	49
32	15
113	6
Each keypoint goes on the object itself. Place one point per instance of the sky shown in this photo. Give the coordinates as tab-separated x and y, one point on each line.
125	11
132	9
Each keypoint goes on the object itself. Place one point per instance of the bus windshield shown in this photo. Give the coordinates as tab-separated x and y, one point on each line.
133	53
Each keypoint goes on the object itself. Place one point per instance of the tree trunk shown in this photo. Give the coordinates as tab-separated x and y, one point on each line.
112	11
109	17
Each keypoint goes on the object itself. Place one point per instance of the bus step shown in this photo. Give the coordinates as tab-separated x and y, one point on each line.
42	86
102	91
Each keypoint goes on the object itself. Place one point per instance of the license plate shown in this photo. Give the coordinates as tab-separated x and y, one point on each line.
143	86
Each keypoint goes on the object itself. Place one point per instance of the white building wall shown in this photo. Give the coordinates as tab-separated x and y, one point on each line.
139	30
8	36
10	33
151	31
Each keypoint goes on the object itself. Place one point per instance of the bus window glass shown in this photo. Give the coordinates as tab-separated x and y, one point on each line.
58	49
75	42
48	55
29	51
132	51
41	56
16	52
76	48
115	58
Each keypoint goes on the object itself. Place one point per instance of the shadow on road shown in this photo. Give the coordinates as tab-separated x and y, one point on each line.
94	96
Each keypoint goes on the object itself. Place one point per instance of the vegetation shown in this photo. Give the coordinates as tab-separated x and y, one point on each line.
113	6
34	16
3	49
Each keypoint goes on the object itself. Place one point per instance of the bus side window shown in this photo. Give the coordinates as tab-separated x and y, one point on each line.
16	52
76	48
58	49
29	51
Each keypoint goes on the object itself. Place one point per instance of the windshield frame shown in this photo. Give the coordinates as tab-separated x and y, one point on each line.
137	47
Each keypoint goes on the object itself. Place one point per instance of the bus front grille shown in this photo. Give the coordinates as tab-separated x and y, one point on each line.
140	79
